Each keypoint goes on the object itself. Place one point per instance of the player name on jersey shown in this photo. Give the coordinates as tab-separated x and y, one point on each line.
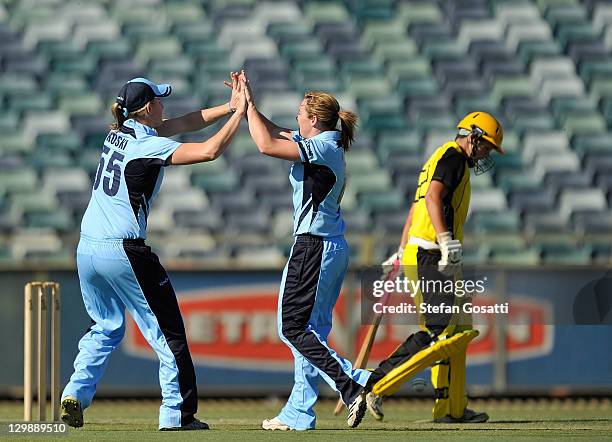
116	140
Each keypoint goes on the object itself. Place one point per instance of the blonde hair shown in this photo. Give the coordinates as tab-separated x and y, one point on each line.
117	112
327	110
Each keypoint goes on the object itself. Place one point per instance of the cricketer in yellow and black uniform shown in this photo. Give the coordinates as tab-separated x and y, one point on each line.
431	250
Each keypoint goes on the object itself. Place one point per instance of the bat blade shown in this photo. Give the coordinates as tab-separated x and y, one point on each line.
368	342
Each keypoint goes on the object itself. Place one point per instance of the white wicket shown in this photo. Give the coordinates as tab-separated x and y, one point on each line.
39	297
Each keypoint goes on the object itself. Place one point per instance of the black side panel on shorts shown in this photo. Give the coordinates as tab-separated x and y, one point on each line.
160	295
298	300
427	267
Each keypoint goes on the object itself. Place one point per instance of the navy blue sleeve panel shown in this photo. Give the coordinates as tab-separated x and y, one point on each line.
450	169
314	151
303	152
318	182
141	177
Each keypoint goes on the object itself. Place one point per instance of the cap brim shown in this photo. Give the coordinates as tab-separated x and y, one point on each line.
160	90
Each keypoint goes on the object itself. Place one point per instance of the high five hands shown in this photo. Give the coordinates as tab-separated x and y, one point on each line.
241	89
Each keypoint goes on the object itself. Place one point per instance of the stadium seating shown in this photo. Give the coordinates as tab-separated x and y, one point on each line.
410	68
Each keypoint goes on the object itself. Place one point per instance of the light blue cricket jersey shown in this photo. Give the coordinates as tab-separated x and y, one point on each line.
318	182
130	172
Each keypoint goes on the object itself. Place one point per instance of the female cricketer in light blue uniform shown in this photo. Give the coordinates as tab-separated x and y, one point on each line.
117	270
319	257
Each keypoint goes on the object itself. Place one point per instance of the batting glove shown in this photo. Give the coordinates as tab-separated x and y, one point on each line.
392	266
452	253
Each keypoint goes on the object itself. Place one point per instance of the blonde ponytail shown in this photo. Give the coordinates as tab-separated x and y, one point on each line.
120	117
327	110
348	123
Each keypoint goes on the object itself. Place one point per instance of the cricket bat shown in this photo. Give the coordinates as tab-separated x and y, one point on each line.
364	352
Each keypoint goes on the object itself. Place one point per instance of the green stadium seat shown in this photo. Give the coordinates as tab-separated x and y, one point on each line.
564	106
582	32
215	183
530	50
99	29
601	87
426	87
590	69
565	13
37	101
355	69
51	143
421	12
177	66
289	32
584	124
552	68
485	103
109	49
81	104
158	49
516	12
59	49
411	68
392	141
302	50
479	30
182	13
381	32
29	201
62	83
22	179
395	52
538	142
326	12
58	219
83	64
30	241
436	121
370	181
17	84
533	122
447	50
511	181
390	201
518	33
560	255
519	258
496	222
9	120
492	200
361	161
571	201
593	143
16	141
506	87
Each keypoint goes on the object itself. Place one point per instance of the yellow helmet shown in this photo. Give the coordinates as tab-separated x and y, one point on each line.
492	130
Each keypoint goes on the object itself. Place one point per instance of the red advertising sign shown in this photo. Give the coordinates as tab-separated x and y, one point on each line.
236	327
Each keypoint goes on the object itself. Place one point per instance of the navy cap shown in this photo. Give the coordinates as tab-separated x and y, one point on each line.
139	91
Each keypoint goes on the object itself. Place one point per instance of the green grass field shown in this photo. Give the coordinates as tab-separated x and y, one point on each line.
239	420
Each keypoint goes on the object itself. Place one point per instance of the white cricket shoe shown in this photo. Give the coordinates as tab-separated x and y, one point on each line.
374	404
357	410
275	424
